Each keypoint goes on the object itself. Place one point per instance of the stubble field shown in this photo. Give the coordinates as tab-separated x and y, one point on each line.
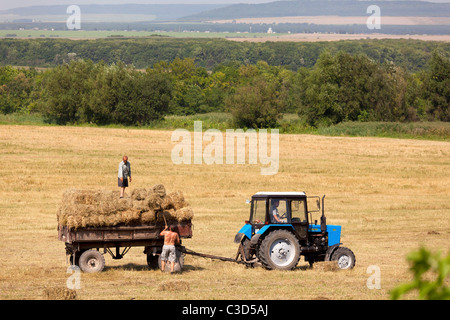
342	20
390	195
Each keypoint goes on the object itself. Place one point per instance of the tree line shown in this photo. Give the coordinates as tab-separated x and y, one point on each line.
339	87
157	27
413	55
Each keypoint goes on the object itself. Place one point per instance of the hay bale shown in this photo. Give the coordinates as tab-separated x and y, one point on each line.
172	215
160	190
59	293
177	285
174	200
154	201
185	213
327	266
138	194
148	217
86	208
166	215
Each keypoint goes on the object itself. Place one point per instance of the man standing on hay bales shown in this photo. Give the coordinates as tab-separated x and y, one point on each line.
171	238
124	173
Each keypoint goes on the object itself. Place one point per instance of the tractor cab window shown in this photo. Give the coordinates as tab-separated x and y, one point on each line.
278	211
259	212
298	211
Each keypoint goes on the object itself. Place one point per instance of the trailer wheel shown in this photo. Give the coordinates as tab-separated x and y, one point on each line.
279	250
91	261
152	260
179	263
76	262
345	258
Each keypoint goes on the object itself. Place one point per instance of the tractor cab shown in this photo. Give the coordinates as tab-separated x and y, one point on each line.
284	210
280	209
281	228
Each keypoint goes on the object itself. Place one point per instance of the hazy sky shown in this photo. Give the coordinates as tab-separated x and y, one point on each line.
27	3
4	4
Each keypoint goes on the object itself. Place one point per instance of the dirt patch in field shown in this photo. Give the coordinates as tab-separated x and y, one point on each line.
341	20
315	37
178	285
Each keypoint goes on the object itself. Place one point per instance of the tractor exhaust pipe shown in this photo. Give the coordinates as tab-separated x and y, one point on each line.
323	219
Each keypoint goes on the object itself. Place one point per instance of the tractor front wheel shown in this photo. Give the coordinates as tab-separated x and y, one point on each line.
279	250
345	258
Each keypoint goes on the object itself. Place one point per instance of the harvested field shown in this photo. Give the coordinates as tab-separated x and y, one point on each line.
390	195
343	20
315	37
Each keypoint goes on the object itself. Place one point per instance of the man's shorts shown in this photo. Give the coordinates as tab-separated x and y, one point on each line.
168	252
123	183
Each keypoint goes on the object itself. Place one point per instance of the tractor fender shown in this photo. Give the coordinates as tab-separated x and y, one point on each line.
238	237
246	231
330	251
261	233
264	229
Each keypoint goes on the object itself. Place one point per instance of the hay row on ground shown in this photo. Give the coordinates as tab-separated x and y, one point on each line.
88	208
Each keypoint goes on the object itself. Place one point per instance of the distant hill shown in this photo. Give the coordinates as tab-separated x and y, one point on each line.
161	11
322	8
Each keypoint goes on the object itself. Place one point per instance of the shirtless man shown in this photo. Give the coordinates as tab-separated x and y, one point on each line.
171	238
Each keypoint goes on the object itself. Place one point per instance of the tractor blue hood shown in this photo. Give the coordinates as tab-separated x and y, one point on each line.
334	231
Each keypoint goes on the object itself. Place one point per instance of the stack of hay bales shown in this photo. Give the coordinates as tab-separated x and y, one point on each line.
87	208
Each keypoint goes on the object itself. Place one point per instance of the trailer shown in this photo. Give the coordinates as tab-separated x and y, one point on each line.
84	246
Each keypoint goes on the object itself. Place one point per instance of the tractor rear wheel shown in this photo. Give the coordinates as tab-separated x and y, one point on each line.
248	251
279	250
345	258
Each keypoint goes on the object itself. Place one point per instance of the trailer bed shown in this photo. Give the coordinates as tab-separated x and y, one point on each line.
83	244
119	233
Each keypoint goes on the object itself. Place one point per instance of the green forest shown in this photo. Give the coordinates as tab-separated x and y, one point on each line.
412	55
340	87
370	81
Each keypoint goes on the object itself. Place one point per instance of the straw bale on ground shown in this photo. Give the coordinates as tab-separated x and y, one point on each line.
87	208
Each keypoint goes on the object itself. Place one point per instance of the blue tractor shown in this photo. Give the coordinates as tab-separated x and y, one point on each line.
281	229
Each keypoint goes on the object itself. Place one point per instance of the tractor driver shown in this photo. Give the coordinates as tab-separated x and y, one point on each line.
274	215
